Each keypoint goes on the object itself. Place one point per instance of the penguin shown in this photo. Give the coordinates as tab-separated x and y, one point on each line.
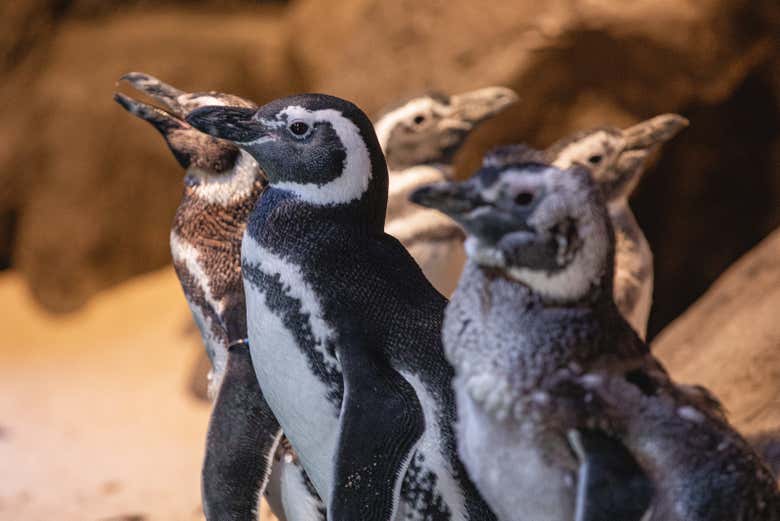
617	158
420	137
345	322
563	413
222	184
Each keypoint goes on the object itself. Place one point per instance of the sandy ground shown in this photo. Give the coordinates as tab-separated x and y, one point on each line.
97	420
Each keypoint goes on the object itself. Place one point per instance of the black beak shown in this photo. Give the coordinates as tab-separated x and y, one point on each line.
448	197
234	124
162	121
157	90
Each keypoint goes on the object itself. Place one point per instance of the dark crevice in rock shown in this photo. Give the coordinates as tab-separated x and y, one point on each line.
8	220
712	196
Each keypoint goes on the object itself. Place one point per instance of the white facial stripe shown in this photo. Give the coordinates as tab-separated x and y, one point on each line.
261	139
272	123
229	187
384	127
357	173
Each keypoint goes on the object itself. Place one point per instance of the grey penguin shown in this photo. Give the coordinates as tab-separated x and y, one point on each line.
222	184
354	322
617	158
536	341
420	136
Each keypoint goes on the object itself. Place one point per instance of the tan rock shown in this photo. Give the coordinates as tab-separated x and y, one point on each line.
729	341
100	187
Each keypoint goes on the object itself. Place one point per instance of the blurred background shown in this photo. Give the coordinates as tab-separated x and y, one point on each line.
101	415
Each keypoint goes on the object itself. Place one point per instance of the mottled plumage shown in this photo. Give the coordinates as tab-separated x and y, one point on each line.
221	186
562	411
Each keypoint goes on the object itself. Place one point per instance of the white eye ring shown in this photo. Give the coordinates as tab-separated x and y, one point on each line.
299	128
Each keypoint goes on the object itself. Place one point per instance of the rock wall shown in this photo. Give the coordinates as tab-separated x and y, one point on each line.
86	192
729	340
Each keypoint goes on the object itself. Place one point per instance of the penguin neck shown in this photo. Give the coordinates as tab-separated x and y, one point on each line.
281	217
231	187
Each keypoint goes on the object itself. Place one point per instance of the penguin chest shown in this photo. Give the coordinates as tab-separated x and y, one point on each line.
293	355
519	477
204	307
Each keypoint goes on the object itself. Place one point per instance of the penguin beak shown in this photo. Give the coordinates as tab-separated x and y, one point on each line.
450	198
188	145
469	109
163	121
157	90
654	131
236	124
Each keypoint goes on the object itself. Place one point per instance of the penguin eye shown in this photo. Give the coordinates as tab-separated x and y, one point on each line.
595	160
299	128
419	119
524	198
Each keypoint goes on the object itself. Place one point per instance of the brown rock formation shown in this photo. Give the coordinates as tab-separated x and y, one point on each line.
729	340
86	193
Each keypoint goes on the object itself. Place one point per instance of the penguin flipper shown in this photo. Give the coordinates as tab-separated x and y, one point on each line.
380	424
242	438
611	484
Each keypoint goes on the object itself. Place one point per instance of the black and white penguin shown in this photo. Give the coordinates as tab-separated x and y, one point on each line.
544	361
617	158
420	137
222	184
355	370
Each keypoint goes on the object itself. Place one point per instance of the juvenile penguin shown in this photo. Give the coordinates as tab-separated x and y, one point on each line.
222	184
617	159
355	373
420	137
532	320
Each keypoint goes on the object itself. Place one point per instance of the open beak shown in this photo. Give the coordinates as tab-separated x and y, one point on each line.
157	90
469	109
236	124
654	131
163	121
451	198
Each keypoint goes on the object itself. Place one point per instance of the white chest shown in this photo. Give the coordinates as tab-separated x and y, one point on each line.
296	395
510	469
287	333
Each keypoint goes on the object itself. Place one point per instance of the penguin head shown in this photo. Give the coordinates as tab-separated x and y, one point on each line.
615	157
540	225
320	148
194	150
429	129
